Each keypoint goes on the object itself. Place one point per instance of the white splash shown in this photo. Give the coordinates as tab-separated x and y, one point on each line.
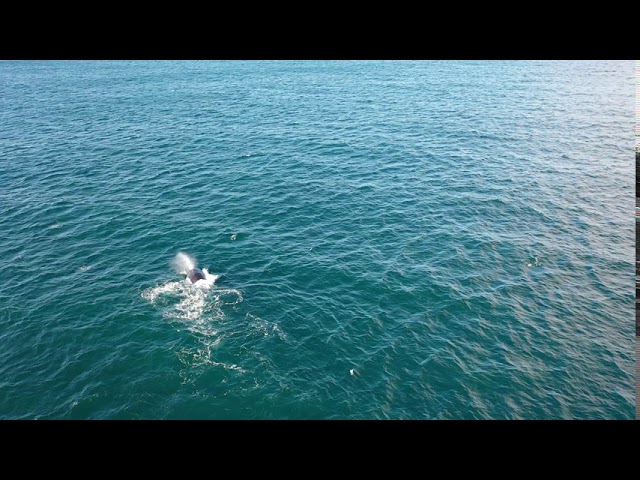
183	262
535	263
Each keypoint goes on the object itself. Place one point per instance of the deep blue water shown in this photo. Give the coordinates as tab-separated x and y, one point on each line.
406	240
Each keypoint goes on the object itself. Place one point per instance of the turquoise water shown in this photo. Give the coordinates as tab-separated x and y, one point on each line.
405	240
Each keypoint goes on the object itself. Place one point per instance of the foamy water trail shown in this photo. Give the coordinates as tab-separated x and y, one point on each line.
200	308
196	303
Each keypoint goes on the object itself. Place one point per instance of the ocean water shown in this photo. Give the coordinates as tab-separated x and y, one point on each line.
384	240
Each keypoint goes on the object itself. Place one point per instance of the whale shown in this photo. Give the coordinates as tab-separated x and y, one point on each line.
195	274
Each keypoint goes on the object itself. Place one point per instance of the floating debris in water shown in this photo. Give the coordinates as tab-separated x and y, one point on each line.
534	263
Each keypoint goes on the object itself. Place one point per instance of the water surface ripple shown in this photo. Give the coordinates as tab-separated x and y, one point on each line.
405	240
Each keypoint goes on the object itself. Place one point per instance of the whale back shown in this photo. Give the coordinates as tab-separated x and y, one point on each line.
195	274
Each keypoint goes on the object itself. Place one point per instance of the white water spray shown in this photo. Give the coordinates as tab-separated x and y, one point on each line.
183	263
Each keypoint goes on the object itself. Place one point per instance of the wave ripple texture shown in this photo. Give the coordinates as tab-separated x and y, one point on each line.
389	240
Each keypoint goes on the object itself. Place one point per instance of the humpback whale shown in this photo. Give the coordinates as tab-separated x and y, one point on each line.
195	274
